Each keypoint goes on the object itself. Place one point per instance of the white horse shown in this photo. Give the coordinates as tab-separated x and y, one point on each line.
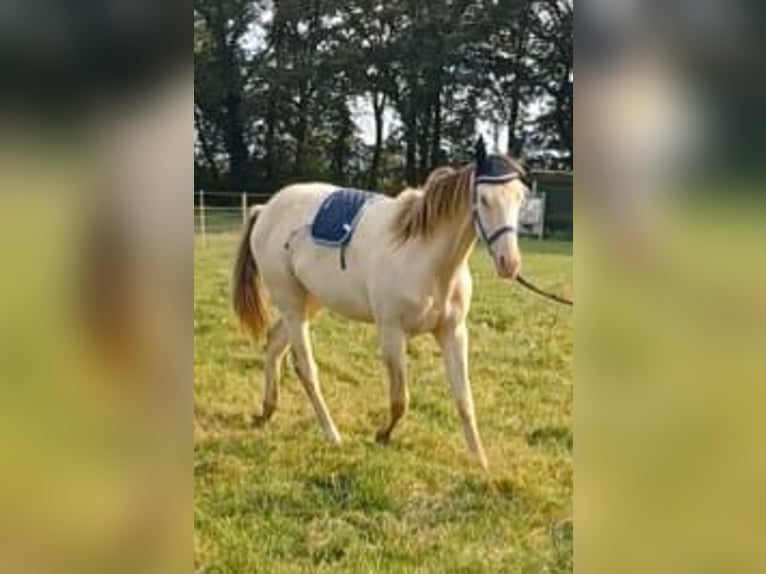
406	271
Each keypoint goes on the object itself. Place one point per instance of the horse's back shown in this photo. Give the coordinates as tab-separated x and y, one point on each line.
291	206
286	252
383	279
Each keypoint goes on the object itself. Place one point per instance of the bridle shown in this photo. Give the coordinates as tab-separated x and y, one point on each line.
489	238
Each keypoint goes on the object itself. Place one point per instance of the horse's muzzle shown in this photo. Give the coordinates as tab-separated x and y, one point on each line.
507	267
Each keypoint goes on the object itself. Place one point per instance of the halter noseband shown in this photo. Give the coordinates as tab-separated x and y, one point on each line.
489	238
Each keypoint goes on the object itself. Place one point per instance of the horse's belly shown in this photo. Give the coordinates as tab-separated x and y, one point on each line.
344	302
350	309
339	290
423	318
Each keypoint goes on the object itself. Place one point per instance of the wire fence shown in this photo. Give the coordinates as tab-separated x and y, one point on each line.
222	212
220	215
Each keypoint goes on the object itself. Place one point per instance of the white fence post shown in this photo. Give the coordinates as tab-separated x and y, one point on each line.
535	193
202	222
244	208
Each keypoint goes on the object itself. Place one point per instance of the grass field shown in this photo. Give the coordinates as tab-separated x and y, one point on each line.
280	499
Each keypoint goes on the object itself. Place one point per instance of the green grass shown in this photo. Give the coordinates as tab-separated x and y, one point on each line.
219	220
280	499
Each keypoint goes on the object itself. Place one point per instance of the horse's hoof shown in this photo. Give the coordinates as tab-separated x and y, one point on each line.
335	440
382	437
259	420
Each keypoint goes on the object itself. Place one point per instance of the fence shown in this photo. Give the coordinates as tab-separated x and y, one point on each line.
226	212
558	189
532	214
222	211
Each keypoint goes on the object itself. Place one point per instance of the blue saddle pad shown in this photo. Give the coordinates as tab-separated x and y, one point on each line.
338	215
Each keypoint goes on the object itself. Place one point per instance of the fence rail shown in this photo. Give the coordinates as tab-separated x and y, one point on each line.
213	218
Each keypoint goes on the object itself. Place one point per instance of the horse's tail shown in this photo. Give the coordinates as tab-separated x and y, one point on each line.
247	292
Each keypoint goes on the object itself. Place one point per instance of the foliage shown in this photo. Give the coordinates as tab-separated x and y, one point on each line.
275	82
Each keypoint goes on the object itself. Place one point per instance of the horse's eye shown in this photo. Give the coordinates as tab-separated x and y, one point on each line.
484	201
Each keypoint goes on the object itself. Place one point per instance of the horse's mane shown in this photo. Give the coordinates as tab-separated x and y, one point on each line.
445	194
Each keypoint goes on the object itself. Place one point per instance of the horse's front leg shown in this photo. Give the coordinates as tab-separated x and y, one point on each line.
392	345
453	340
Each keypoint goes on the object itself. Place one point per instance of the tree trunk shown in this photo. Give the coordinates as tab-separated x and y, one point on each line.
233	116
207	151
307	87
272	159
301	135
378	106
273	156
423	143
411	134
513	120
338	157
235	142
436	136
341	147
564	116
519	50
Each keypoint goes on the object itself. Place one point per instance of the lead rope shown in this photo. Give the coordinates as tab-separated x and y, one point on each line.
552	296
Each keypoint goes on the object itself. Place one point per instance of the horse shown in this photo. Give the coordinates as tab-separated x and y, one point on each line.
407	272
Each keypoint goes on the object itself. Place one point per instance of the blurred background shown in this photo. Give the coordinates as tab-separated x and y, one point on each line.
95	297
670	287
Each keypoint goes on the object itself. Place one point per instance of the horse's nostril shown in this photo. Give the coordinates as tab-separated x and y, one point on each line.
502	261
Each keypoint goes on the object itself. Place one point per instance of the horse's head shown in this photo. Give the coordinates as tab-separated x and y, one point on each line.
497	196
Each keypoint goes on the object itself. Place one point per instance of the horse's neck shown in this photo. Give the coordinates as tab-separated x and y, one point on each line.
451	246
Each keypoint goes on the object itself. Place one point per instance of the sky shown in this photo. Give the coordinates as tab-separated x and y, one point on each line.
361	107
361	113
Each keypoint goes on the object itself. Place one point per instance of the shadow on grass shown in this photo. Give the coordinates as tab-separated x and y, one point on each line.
482	496
351	488
562	539
547	435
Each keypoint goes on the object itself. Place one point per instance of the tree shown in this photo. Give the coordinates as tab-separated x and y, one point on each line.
275	82
219	86
553	30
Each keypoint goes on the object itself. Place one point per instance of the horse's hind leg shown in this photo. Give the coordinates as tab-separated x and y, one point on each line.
277	342
392	344
305	366
297	306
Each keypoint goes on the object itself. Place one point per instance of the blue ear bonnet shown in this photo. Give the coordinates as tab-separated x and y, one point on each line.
493	168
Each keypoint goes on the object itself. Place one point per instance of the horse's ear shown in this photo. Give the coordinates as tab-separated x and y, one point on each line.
516	149
480	153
